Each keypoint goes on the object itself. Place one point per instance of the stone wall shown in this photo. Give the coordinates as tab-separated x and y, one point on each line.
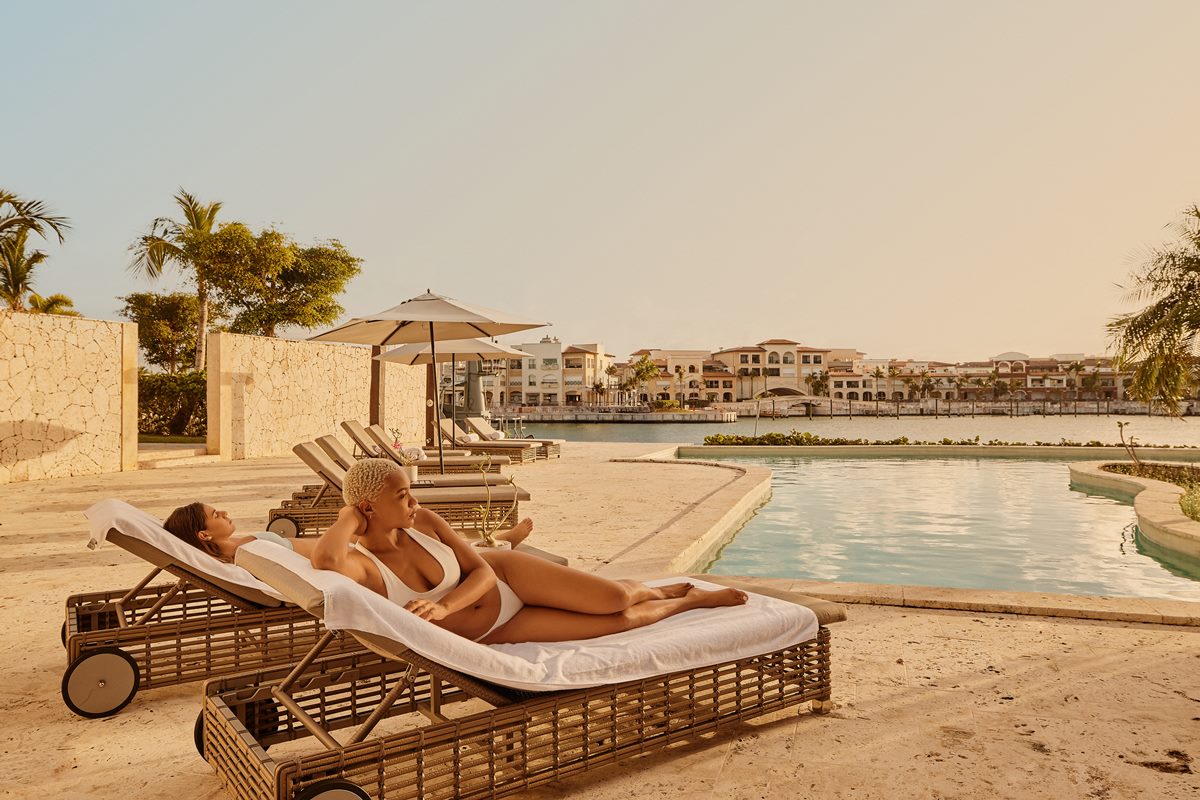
266	395
68	396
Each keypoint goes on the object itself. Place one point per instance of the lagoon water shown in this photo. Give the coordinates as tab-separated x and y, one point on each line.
1084	428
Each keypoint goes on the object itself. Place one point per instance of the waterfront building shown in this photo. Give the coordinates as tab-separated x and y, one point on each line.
551	374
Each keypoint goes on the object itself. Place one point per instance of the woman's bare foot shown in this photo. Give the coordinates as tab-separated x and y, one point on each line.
715	598
670	590
517	534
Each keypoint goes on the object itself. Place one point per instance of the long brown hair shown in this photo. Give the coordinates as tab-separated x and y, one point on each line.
185	524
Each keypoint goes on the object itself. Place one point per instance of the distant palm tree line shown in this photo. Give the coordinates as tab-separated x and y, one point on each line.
19	219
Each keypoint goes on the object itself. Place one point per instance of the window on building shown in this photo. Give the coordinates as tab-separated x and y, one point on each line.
789	358
549	363
691	367
756	359
712	384
837	385
514	363
744	359
772	372
805	359
773	358
726	384
852	384
816	359
533	380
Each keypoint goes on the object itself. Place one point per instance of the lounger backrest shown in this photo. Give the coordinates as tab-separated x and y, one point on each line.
320	463
355	430
481	426
337	451
142	534
380	438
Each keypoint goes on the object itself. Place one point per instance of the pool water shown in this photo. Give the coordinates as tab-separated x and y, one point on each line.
1010	524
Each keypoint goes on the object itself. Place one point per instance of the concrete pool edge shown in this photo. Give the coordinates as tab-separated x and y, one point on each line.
677	550
1156	504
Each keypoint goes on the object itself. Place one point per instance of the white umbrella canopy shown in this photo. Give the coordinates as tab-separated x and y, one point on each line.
451	350
427	318
416	319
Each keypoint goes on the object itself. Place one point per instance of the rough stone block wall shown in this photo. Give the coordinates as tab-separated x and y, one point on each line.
282	392
62	401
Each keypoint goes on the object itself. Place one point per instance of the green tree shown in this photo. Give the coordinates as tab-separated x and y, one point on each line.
16	268
58	304
643	370
818	382
166	326
181	244
18	215
266	281
1160	341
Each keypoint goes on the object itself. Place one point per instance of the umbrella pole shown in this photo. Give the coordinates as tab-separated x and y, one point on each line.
437	403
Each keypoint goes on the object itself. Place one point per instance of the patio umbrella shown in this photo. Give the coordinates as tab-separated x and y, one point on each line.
454	350
427	318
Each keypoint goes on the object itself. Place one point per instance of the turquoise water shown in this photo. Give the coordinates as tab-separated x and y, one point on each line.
1009	524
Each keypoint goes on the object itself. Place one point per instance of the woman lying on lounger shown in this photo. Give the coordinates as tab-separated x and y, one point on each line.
412	557
212	531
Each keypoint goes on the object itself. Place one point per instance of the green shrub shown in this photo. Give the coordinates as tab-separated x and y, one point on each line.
665	405
172	405
1190	503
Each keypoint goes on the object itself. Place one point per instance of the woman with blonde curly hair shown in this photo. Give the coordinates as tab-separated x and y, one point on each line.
385	541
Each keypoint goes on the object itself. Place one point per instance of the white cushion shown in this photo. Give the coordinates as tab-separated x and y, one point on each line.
496	436
471	437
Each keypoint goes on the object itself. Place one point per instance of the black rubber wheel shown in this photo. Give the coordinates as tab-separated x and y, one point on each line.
100	682
333	789
285	526
198	733
63	634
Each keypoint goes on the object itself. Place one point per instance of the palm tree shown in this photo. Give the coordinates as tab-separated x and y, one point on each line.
679	383
58	304
1161	339
818	382
183	245
878	374
28	215
1073	369
16	267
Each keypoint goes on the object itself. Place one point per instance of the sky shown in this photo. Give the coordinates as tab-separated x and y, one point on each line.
931	180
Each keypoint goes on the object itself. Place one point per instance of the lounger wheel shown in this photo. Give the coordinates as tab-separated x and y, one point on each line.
63	634
333	789
198	733
284	526
100	682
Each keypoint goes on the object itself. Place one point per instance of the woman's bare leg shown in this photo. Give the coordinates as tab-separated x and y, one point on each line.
540	624
542	583
517	533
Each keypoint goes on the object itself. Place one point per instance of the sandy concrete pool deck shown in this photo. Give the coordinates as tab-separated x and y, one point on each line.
929	702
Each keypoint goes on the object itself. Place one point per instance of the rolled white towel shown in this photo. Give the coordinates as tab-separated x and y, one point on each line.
471	437
496	436
412	453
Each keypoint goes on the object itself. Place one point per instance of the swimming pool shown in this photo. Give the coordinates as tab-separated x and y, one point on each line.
976	523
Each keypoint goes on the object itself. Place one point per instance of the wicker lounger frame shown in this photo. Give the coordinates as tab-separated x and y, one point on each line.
168	634
307	517
525	740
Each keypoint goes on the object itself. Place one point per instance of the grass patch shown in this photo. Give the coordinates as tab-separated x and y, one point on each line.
1187	477
154	438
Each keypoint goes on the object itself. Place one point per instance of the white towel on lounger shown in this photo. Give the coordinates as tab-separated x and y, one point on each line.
692	639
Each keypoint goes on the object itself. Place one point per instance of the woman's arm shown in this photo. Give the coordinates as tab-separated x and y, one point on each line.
477	576
332	550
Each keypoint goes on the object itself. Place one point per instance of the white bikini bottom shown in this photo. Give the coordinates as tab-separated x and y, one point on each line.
510	604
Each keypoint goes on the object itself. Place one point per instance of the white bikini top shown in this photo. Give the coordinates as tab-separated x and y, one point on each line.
398	591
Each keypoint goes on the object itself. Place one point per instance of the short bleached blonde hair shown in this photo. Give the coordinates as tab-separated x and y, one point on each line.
364	480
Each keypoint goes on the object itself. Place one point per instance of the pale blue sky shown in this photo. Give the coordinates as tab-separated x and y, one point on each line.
915	179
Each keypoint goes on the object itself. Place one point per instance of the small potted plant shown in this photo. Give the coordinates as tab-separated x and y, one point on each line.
488	527
408	455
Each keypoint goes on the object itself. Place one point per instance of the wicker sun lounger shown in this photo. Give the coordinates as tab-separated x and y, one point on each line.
455	460
215	619
466	508
526	738
427	477
547	448
518	450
